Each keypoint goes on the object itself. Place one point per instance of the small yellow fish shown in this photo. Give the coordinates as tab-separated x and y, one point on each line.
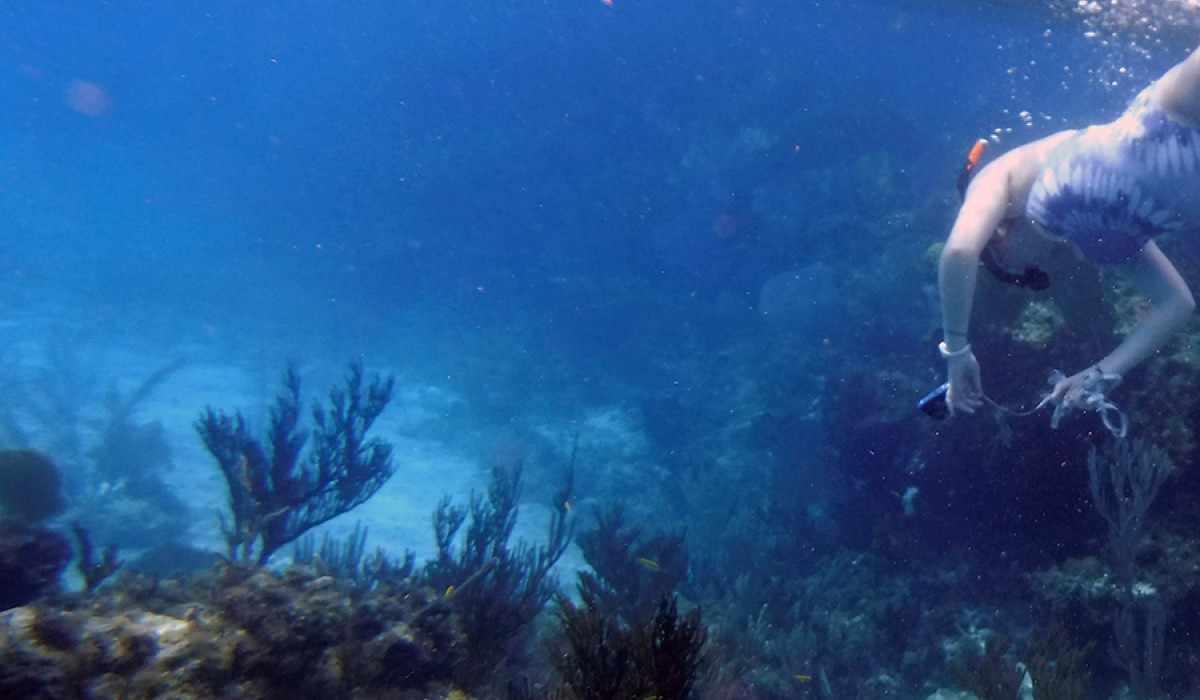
449	590
802	677
567	506
650	564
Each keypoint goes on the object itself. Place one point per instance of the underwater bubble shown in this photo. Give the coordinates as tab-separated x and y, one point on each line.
88	98
800	300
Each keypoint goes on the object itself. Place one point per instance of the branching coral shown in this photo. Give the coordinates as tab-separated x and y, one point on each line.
1125	479
347	559
275	494
94	571
993	675
644	570
126	497
658	656
1058	666
496	589
1055	665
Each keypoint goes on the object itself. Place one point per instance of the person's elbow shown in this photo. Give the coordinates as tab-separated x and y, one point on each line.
1181	306
956	256
1187	304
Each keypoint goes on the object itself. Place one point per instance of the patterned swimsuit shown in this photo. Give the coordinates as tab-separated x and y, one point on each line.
1111	188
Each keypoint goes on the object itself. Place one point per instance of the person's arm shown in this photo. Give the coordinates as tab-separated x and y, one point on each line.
1155	278
986	202
1178	91
981	213
1171	305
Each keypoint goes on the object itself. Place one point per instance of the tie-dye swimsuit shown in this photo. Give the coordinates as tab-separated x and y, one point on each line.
1111	188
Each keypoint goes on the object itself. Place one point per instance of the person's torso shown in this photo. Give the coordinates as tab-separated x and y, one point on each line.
1110	188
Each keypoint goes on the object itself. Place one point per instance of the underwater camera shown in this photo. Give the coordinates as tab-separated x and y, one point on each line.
934	404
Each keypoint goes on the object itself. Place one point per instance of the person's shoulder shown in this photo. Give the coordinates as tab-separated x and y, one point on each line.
1048	143
1033	151
1032	156
1010	176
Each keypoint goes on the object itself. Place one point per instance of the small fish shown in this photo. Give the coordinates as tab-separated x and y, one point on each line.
802	677
449	590
567	506
650	564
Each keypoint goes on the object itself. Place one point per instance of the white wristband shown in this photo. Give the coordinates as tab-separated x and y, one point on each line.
947	355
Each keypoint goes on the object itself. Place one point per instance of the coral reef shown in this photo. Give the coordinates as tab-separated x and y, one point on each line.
1125	479
31	488
31	561
993	675
840	626
495	588
1055	665
31	557
1059	666
116	462
276	494
347	559
93	571
657	656
234	631
126	498
1038	323
635	573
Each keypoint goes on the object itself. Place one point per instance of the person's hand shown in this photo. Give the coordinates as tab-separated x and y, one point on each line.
966	390
1085	391
1072	392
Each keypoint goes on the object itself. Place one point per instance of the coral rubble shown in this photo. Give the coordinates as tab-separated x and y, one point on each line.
234	631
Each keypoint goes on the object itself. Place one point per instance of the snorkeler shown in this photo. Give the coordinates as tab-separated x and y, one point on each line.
1108	190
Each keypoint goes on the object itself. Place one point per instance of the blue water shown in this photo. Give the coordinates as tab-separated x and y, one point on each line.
677	229
345	164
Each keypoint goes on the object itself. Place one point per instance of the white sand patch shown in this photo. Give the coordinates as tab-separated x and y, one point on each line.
439	450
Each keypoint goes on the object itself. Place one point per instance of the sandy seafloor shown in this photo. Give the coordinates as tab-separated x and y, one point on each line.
398	517
440	448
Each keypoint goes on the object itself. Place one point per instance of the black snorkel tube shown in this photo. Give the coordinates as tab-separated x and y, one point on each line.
1032	277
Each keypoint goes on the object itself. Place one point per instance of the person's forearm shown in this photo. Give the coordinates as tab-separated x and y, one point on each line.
1171	304
956	283
1151	334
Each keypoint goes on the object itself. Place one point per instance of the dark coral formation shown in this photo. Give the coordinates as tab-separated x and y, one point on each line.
93	571
31	561
634	572
30	486
231	632
494	586
659	655
1056	666
31	557
347	559
276	492
128	498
